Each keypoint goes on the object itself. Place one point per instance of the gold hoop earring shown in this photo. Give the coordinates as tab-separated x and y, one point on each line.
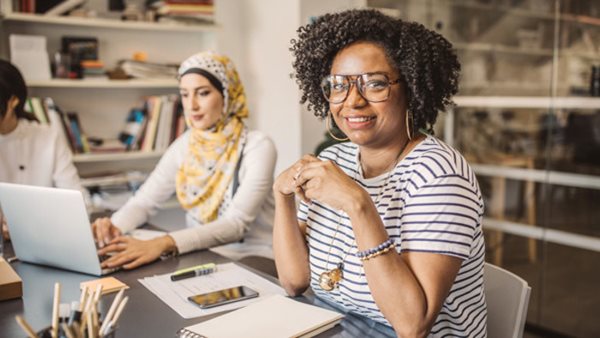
409	121
327	123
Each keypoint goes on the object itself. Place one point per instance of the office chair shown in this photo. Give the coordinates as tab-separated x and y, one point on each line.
507	298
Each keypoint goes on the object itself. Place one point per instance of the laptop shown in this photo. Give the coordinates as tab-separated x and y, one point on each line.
50	226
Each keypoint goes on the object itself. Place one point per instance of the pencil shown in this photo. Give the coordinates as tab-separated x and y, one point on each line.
55	310
90	325
67	330
26	327
77	329
82	298
97	294
112	309
115	318
86	309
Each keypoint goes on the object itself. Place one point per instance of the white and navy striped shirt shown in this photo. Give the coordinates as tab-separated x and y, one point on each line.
430	203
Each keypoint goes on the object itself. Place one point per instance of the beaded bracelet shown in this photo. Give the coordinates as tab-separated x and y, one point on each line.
381	249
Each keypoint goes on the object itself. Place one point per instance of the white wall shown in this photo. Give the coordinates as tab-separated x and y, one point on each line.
312	128
256	35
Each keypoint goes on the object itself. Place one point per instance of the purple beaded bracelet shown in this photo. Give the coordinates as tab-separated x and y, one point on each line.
376	251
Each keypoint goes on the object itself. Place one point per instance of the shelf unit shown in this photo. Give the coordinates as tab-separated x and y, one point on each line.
106	23
103	104
122	156
104	83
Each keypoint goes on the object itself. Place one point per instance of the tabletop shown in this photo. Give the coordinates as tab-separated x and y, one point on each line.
145	315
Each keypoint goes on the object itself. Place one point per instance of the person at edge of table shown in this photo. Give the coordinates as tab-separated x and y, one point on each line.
220	171
389	226
31	153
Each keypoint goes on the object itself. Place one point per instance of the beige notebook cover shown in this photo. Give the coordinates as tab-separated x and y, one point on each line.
275	317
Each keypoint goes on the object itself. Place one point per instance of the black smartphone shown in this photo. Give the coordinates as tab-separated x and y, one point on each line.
225	296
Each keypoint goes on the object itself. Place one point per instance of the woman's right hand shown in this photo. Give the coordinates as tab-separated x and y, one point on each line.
285	183
104	231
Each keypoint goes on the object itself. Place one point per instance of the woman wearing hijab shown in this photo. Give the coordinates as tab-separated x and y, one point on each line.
220	171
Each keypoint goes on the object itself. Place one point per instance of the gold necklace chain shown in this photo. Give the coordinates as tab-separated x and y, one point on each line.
330	279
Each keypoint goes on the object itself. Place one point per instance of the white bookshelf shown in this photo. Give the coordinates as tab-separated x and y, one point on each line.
107	23
116	156
104	83
103	104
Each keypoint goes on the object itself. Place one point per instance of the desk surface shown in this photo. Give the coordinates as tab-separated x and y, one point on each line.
145	315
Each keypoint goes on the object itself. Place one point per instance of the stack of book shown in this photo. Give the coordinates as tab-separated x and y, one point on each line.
185	10
154	126
47	112
93	68
150	128
148	70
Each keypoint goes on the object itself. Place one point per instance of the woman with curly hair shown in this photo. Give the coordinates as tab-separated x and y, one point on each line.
389	226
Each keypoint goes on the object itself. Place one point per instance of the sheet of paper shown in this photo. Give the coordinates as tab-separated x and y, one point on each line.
29	54
228	275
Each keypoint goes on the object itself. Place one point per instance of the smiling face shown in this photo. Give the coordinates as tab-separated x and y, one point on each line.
369	124
202	102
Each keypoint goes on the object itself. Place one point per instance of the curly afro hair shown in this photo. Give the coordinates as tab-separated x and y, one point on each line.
425	60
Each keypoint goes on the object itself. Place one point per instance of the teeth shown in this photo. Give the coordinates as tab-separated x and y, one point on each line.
360	119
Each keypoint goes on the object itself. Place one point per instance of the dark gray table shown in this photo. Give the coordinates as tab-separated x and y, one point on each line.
145	315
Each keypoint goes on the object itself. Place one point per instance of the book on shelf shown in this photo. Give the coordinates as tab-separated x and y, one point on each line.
82	50
148	70
30	55
153	108
149	129
163	124
133	130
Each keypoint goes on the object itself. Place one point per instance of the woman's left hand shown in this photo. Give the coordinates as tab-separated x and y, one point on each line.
325	182
131	253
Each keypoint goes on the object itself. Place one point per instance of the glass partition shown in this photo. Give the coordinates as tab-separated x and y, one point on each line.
527	118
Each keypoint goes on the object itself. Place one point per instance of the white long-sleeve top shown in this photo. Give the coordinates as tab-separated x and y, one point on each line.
246	216
37	154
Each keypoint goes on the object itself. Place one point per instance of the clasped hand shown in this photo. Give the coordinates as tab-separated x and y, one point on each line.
313	179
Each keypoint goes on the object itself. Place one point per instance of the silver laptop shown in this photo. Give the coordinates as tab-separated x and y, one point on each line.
50	226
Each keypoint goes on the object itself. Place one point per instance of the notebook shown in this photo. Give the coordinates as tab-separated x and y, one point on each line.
275	317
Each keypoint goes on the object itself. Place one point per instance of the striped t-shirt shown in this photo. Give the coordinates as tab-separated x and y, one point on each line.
430	203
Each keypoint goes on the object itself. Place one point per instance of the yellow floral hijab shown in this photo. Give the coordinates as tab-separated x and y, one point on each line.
209	166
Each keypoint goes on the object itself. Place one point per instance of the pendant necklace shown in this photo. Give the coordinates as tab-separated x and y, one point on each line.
330	279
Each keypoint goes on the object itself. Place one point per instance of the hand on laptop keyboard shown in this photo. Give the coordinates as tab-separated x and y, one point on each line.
131	253
104	231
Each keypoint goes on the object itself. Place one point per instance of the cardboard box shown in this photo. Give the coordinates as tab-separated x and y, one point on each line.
11	285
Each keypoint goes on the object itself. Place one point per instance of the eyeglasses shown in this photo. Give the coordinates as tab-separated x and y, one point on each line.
373	87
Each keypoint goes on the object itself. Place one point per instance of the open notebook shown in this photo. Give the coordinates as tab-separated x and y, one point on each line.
274	317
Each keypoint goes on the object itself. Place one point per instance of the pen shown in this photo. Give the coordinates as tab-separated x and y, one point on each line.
199	270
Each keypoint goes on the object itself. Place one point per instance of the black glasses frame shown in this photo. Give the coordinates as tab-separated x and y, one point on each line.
359	85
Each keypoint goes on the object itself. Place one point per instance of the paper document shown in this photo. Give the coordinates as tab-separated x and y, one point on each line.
29	54
228	275
274	317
